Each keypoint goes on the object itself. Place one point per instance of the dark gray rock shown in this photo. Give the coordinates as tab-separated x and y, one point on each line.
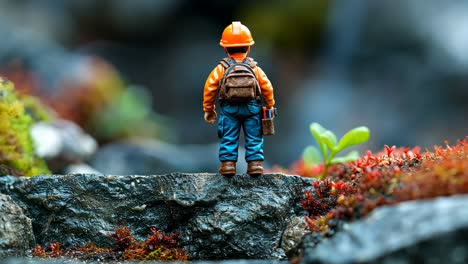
68	261
16	235
217	217
431	231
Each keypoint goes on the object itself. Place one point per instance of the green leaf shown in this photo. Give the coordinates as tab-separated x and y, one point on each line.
329	139
352	156
355	136
311	156
316	129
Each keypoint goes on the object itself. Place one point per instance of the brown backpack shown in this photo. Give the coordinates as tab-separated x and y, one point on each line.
239	83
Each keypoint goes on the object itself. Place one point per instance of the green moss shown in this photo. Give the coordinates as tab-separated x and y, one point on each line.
155	255
16	145
36	109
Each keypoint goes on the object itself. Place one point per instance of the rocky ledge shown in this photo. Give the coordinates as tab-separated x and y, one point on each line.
217	217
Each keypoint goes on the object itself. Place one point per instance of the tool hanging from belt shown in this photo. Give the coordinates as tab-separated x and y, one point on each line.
268	124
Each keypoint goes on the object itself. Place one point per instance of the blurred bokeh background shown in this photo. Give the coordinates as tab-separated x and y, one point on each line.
136	68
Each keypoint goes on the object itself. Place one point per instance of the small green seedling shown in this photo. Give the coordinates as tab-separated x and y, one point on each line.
329	146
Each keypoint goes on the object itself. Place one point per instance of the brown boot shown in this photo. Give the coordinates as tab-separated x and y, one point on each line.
255	167
228	168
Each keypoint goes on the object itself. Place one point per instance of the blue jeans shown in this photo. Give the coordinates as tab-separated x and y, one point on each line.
234	116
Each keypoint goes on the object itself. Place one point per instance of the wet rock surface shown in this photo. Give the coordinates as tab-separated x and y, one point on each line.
240	217
16	236
58	261
431	231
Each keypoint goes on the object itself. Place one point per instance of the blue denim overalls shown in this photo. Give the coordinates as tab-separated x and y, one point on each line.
235	115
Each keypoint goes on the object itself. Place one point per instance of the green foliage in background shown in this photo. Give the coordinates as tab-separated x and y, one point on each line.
287	25
130	114
16	146
329	146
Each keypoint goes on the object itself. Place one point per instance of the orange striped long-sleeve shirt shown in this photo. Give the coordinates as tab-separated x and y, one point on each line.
212	83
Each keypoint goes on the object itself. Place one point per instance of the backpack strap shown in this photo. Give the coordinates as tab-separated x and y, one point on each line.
227	62
249	61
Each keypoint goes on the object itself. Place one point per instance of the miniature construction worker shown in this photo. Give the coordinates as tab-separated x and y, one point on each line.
240	86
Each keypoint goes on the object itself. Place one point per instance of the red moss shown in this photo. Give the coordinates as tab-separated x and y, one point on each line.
393	175
157	242
91	251
52	251
158	238
158	246
446	173
123	238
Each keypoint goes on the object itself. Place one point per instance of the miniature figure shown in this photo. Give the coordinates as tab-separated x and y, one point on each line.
241	85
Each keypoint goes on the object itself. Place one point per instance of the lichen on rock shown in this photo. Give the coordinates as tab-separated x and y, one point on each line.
16	235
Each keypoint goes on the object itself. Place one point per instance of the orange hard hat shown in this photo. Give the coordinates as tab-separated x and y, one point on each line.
236	35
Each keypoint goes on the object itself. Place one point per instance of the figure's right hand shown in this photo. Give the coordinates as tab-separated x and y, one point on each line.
211	117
